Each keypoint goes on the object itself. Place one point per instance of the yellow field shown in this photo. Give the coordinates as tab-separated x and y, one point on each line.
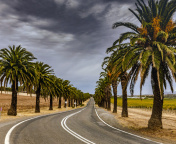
146	103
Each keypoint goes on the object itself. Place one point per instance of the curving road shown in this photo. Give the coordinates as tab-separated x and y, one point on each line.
79	126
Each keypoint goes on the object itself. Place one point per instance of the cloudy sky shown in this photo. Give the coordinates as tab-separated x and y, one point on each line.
69	35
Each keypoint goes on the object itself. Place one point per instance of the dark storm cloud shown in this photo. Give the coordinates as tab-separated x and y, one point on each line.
65	19
83	20
66	16
70	35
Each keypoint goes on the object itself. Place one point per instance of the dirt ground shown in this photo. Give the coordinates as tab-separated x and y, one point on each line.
138	120
26	106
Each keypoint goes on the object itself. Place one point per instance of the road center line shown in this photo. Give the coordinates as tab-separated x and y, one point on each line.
65	127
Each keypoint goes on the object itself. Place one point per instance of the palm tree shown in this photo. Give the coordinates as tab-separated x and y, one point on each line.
100	94
16	66
113	78
42	80
46	92
73	95
66	91
80	96
60	88
152	49
105	83
52	90
117	72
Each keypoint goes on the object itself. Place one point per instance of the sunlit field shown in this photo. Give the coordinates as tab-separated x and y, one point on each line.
147	103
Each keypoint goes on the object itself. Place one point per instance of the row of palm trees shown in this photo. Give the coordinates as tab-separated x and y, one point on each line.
149	49
17	68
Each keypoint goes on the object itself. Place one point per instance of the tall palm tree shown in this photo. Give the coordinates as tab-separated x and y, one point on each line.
60	88
42	80
106	83
152	49
48	91
80	96
100	96
15	66
118	72
66	91
73	94
52	90
113	78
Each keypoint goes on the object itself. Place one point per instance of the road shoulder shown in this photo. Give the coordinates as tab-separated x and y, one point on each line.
110	118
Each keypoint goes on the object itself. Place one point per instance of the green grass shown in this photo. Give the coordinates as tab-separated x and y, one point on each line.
146	103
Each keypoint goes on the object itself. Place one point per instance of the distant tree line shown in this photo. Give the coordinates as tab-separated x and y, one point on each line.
17	68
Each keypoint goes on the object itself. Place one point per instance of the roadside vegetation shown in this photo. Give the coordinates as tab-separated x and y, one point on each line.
18	69
169	104
145	49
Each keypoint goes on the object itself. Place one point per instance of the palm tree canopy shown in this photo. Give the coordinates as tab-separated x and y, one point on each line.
50	89
153	44
66	88
59	86
16	63
43	74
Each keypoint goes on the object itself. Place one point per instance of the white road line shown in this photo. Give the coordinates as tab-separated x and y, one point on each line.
125	131
7	137
65	127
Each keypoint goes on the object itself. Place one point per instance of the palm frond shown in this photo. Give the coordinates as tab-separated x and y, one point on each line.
127	24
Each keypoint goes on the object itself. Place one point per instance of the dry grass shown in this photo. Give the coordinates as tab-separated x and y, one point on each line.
26	107
138	120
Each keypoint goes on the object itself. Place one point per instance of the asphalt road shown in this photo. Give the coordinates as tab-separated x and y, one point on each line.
73	127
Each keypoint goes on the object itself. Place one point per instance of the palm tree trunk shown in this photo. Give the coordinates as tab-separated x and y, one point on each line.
124	95
69	102
51	103
114	86
155	121
104	104
106	98
37	106
65	104
76	102
109	98
13	108
59	105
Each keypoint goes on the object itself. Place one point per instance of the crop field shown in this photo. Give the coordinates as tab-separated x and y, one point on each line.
147	103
